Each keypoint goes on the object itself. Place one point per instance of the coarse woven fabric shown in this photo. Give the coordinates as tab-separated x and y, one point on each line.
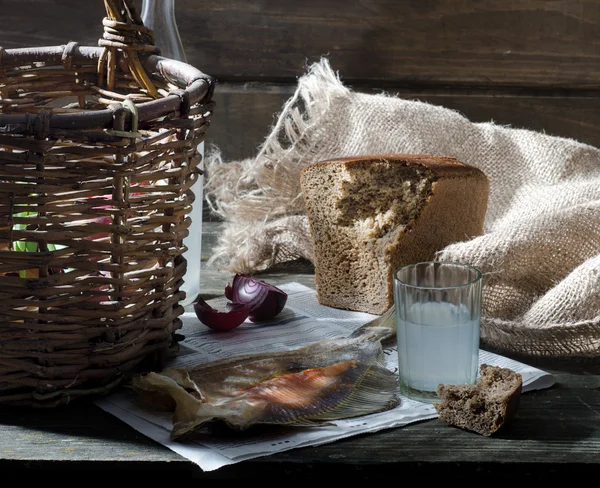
540	251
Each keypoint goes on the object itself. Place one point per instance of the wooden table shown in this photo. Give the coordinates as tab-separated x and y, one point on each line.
556	436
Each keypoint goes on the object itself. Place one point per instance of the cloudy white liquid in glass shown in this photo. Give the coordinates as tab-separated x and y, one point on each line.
438	342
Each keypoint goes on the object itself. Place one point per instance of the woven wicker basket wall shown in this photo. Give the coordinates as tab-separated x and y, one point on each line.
98	152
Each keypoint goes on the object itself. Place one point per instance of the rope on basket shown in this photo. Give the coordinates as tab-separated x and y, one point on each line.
125	30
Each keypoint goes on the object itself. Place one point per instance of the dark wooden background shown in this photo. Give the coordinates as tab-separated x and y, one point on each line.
525	63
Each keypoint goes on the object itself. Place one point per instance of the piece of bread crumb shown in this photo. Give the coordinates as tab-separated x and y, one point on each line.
484	407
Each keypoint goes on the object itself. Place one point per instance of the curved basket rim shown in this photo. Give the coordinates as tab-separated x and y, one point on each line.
198	86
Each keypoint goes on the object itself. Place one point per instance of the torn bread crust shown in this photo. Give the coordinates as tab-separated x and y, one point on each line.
370	215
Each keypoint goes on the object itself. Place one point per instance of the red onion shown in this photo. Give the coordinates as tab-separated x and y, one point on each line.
249	298
218	320
265	300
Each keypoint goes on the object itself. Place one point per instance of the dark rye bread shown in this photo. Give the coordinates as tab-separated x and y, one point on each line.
370	215
484	407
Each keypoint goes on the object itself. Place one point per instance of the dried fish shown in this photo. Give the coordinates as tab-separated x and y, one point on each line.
309	386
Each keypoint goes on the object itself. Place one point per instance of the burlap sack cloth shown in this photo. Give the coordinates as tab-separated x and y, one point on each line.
540	252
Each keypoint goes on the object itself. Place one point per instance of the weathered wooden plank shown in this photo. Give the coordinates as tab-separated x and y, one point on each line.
245	112
555	433
77	433
511	42
515	42
243	116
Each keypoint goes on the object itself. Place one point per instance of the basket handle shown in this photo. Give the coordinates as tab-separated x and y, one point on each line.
124	30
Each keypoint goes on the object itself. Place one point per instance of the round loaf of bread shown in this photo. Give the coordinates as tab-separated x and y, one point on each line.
370	215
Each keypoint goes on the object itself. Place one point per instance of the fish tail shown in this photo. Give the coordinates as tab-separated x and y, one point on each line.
190	412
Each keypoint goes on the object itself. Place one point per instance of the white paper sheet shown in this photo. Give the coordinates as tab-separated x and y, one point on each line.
302	322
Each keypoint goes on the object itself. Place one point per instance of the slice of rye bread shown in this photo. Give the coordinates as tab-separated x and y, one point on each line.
484	407
370	215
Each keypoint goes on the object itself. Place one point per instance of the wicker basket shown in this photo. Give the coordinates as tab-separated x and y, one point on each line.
98	153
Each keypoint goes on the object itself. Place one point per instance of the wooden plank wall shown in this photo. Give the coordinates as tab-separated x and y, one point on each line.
526	63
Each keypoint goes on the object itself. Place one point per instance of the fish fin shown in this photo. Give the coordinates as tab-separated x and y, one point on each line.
376	391
234	424
378	329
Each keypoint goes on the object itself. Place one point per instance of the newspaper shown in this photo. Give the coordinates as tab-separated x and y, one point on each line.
303	321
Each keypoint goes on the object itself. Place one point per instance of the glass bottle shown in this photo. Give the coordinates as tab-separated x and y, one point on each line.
159	15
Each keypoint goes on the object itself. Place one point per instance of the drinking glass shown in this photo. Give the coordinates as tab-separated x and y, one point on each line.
438	311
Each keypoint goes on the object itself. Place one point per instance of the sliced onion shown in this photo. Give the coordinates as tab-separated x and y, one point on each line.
218	320
265	300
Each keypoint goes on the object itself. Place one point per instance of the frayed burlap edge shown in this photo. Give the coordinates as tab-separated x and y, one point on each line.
258	197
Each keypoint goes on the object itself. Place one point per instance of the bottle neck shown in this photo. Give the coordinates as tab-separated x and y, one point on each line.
159	15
